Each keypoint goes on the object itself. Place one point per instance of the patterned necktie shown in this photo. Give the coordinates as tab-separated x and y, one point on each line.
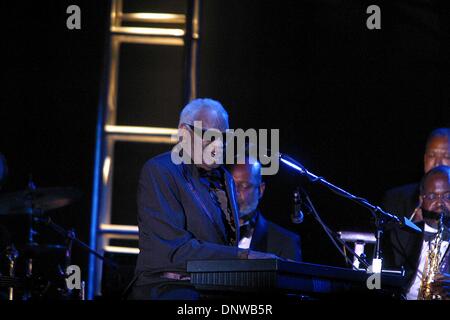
215	182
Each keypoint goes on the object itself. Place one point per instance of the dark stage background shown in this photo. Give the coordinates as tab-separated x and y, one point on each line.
353	105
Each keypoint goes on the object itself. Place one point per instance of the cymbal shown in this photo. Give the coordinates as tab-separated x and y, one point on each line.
39	200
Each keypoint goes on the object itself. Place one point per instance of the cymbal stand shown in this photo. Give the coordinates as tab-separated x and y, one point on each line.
11	254
32	212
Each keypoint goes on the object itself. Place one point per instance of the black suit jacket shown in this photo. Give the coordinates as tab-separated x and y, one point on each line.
270	237
178	220
402	200
402	248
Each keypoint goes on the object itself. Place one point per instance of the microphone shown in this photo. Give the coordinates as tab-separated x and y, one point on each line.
297	216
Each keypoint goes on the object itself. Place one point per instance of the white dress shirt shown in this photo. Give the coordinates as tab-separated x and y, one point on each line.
245	242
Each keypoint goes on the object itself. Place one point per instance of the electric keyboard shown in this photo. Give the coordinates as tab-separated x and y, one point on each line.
272	275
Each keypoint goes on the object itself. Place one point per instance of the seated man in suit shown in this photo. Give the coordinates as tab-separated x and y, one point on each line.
257	233
410	250
404	200
186	211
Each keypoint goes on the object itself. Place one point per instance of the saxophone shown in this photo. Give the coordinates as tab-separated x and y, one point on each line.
433	265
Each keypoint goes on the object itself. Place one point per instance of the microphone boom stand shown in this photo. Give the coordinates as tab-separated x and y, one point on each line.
332	235
381	217
71	238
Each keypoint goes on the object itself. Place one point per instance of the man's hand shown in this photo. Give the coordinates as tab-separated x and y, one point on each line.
441	286
262	255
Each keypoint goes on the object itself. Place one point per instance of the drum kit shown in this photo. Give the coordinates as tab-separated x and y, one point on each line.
19	279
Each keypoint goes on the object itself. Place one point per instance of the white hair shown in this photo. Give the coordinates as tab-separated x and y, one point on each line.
189	113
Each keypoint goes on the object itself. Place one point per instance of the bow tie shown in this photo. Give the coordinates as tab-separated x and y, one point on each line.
429	236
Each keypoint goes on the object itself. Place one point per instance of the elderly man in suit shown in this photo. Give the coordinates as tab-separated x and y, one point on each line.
186	209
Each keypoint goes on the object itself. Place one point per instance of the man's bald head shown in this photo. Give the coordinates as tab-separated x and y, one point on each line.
253	170
249	186
437	150
442	172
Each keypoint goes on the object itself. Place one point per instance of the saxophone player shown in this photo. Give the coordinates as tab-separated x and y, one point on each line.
425	256
404	200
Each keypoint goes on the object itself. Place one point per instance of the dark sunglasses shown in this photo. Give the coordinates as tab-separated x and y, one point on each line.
195	130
